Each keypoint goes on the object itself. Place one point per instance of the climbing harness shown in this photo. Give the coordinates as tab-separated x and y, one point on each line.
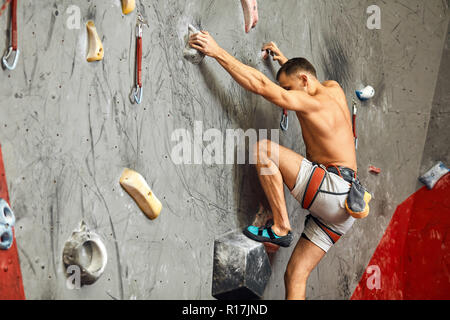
354	123
313	186
333	235
284	124
13	49
136	94
357	202
317	178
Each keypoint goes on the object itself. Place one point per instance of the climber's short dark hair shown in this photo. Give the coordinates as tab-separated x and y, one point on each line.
296	64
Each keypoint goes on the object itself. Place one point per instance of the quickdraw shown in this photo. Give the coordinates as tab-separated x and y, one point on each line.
136	94
13	48
354	123
284	124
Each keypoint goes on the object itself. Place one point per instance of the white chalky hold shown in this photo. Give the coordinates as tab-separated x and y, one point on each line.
6	237
192	55
366	93
86	250
6	214
434	175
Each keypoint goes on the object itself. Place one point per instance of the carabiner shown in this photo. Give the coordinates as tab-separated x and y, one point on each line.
139	30
6	57
284	124
354	107
140	22
136	95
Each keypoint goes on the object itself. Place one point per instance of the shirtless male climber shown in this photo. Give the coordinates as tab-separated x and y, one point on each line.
327	132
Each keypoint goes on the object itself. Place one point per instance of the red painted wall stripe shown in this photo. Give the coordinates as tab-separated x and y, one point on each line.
413	256
11	285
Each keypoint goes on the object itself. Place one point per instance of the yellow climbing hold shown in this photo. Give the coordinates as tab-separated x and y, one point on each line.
96	51
138	189
128	6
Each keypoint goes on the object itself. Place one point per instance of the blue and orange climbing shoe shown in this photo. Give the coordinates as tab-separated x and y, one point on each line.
266	234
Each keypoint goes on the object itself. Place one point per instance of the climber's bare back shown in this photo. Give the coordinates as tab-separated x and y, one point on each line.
327	132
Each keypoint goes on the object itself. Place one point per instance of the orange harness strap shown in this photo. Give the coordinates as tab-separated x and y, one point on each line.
334	236
313	187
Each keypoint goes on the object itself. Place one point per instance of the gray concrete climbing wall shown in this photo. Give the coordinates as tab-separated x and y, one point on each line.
67	130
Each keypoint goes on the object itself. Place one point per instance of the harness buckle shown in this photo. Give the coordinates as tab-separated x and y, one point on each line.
7	56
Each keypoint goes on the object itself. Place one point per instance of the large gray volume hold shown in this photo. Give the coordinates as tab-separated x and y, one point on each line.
241	268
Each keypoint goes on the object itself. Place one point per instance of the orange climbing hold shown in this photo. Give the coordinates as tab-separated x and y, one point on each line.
375	170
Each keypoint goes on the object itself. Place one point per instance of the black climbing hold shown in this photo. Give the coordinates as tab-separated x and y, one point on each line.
241	268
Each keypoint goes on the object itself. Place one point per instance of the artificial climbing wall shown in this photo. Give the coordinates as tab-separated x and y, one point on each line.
67	130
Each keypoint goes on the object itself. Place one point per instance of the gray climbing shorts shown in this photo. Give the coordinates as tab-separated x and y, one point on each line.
329	219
